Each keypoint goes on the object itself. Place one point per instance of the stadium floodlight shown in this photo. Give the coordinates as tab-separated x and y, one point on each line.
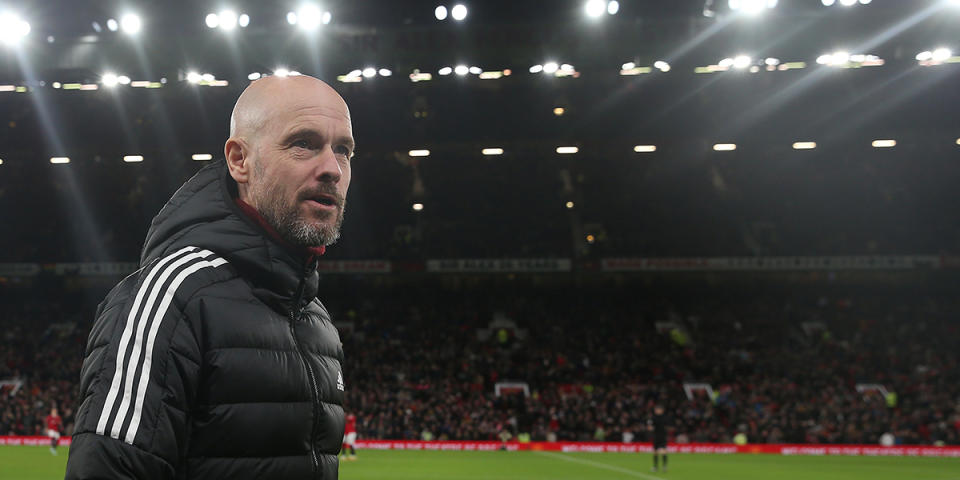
958	141
194	77
848	3
13	28
661	65
752	7
771	62
628	66
132	158
130	23
369	72
613	7
725	147
244	20
492	151
726	62
309	17
281	72
109	80
201	157
925	56
113	25
212	20
56	85
884	143
292	18
827	3
558	111
384	72
536	68
59	160
550	67
594	8
941	54
804	145
440	12
645	148
569	205
1	161
445	71
253	76
208	77
419	153
475	70
865	2
567	150
417	207
228	20
742	61
461	70
459	12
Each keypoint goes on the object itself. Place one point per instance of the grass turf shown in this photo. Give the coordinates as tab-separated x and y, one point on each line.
28	463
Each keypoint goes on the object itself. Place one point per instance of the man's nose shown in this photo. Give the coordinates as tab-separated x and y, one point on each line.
329	169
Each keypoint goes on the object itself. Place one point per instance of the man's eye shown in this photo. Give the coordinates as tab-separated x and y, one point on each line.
301	144
341	150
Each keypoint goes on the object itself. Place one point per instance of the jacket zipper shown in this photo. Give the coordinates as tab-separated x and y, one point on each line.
295	313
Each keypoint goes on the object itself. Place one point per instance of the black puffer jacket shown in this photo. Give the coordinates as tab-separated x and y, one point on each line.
214	360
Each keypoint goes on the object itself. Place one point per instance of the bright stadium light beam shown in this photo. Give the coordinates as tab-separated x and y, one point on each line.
212	20
13	28
109	80
445	71
419	153
594	8
228	20
492	151
461	70
550	67
130	23
201	157
742	61
459	12
613	7
567	150
804	145
244	20
725	147
941	54
417	207
369	72
645	148
194	77
440	12
132	158
59	160
884	143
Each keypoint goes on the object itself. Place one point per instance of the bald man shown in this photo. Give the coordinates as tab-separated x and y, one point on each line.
215	359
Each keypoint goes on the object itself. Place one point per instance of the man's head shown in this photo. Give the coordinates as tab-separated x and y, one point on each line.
290	146
658	409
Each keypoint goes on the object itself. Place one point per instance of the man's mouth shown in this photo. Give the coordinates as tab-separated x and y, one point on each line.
326	200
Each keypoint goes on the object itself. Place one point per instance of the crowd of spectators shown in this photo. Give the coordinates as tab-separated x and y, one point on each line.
423	362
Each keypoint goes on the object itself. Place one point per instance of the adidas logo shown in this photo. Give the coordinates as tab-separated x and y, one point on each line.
340	381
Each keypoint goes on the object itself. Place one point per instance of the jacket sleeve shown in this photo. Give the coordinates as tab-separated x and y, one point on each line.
139	377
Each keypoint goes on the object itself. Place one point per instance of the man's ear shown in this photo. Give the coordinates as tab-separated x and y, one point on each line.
237	153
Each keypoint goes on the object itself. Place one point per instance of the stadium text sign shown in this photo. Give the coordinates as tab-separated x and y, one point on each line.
474	265
717	448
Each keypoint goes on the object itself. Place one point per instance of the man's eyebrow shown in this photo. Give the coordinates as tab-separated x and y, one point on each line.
309	133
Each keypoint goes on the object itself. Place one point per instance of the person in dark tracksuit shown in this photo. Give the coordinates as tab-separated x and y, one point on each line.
658	425
215	359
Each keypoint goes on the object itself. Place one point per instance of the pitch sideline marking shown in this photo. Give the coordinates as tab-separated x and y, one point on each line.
599	465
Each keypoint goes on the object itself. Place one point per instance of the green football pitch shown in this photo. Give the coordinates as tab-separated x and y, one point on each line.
28	463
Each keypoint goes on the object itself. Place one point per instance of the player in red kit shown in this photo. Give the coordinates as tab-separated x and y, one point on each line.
53	422
350	437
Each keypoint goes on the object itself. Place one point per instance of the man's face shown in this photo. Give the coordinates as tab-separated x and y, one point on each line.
301	171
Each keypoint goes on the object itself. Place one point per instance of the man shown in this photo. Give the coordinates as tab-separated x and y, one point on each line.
350	437
215	359
54	423
658	425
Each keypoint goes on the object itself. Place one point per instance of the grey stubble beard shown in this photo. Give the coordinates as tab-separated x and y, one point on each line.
286	219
